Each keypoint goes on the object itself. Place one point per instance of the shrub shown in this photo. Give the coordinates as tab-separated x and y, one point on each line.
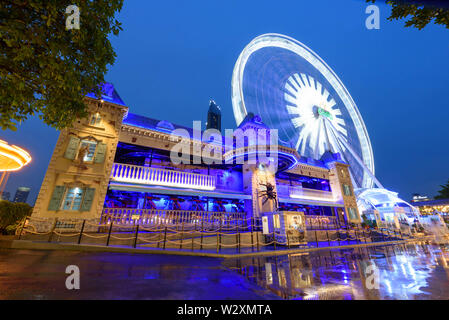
11	213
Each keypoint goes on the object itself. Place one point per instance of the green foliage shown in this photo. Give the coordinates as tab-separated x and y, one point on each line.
45	69
11	213
444	192
420	15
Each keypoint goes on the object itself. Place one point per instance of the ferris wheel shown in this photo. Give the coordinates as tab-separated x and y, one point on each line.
295	91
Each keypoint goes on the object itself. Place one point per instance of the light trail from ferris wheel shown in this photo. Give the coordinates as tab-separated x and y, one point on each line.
296	92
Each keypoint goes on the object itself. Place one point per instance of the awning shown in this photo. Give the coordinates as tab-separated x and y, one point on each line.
176	191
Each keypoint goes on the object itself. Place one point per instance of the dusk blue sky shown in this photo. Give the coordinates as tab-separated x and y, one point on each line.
173	56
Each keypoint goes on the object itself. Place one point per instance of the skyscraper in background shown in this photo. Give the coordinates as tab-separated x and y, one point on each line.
22	194
214	116
5	196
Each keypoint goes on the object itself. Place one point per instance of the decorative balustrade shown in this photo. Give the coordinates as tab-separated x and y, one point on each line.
305	193
151	217
161	177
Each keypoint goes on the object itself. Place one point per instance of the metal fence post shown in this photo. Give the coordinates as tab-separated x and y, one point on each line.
217	240
316	239
52	230
159	231
193	234
81	232
274	239
252	237
137	235
219	232
257	241
109	234
238	233
347	234
182	234
165	237
328	240
202	230
23	226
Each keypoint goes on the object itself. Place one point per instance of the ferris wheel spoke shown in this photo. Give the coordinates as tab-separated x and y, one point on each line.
297	80
304	79
357	158
336	111
290	89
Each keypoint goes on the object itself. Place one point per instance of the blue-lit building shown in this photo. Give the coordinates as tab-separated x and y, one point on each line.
119	166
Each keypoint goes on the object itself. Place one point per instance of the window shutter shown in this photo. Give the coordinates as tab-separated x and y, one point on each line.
56	198
89	194
72	148
101	153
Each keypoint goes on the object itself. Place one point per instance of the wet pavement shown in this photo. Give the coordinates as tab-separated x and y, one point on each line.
411	271
33	274
404	272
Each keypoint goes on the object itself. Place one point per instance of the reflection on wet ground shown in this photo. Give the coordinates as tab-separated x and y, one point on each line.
405	272
33	274
414	271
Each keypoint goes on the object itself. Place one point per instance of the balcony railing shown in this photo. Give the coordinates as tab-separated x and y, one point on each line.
161	177
305	193
151	217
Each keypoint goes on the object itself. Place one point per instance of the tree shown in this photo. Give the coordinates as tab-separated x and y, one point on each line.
421	14
444	192
11	213
46	70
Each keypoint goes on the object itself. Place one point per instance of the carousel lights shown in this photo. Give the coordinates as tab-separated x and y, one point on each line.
12	158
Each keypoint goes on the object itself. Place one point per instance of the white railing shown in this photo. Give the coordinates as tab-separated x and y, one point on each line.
161	177
148	217
305	193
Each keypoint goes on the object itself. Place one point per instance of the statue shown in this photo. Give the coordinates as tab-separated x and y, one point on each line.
81	154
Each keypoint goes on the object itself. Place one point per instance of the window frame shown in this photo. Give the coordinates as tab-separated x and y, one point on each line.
64	199
347	187
352	213
97	118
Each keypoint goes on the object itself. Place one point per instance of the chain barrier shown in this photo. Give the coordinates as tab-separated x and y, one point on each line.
200	235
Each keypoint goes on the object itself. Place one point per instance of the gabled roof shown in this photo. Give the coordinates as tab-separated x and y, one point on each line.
108	94
252	121
136	120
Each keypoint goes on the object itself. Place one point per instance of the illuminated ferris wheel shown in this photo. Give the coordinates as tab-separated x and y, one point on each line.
296	92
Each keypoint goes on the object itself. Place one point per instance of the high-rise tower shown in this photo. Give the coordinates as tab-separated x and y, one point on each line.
213	116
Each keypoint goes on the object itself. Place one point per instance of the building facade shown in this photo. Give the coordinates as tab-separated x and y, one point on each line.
118	166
